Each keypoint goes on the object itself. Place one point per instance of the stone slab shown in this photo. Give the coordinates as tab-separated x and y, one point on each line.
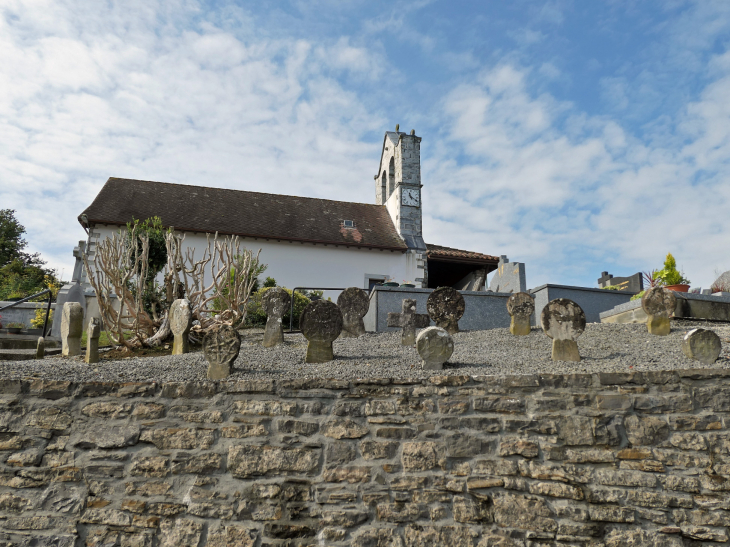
689	306
591	300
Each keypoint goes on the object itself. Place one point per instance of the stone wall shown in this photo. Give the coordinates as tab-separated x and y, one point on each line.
598	460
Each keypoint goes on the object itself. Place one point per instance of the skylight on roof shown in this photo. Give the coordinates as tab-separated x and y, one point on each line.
349	223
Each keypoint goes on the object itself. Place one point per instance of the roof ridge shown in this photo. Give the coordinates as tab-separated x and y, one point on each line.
246	191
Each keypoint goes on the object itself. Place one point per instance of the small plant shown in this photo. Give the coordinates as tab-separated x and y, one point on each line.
269	282
40	318
669	274
15	325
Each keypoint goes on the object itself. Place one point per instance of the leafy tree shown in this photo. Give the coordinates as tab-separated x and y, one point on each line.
21	274
151	228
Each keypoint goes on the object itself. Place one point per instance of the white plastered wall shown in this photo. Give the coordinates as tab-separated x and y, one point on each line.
295	264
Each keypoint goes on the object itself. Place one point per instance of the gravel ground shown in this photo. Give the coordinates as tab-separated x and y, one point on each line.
603	347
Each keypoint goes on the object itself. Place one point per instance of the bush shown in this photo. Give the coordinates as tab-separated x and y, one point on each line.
40	318
256	316
669	274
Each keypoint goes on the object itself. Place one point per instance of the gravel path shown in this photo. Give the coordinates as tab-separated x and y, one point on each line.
603	347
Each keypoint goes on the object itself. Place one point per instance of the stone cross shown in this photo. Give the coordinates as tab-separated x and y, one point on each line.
446	306
605	276
181	319
321	324
72	317
276	303
435	346
409	321
564	321
702	345
40	350
520	306
93	331
354	304
659	304
79	264
221	346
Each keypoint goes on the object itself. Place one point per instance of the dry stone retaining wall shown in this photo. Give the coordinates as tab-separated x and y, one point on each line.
573	460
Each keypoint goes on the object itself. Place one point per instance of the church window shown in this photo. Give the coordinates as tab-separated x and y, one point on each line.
391	177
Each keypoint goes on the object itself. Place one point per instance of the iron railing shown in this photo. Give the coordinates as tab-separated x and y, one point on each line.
48	308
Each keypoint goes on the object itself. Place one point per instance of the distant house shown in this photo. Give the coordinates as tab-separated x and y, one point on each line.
307	242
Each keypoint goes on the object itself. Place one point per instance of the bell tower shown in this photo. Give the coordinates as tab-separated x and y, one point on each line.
398	185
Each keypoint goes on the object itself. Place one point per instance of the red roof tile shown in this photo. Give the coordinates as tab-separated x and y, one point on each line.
444	253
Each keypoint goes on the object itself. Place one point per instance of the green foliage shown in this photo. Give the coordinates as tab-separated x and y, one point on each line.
669	274
620	287
270	282
256	316
637	296
21	274
15	325
40	318
154	293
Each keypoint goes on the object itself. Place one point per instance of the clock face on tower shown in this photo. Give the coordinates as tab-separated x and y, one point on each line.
411	197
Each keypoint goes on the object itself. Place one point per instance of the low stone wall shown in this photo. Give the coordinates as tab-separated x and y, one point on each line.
597	460
22	313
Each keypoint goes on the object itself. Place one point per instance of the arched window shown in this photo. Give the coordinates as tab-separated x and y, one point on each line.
383	186
391	176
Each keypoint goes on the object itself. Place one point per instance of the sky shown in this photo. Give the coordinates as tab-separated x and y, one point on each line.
576	137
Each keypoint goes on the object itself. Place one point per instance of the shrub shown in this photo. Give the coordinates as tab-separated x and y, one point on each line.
669	274
40	318
256	316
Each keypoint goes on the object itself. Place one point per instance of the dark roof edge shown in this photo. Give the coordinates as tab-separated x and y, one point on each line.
281	238
463	260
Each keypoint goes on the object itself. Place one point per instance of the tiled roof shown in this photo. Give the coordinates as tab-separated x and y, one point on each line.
252	214
446	253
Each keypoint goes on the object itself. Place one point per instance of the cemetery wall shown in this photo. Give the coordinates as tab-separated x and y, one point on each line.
537	460
592	301
21	313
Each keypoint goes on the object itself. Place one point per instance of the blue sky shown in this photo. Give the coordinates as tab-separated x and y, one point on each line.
573	136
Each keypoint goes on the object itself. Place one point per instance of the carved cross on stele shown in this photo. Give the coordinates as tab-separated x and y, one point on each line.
409	321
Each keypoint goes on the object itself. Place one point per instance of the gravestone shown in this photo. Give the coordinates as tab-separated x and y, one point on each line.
446	306
520	306
409	321
93	331
722	283
633	283
276	302
181	320
321	324
72	316
74	291
435	346
354	304
702	345
564	321
509	277
40	350
659	304
221	346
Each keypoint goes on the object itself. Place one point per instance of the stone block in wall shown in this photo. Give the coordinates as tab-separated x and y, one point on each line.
250	460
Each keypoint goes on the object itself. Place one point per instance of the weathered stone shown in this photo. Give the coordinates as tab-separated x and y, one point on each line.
298	427
646	430
611	513
377	537
93	331
564	321
49	418
399	512
344	429
179	532
556	490
354	304
522	447
109	437
445	306
181	320
641	538
576	430
702	345
523	512
148	411
703	533
409	321
150	466
321	323
248	460
347	474
72	318
520	306
435	346
446	536
275	302
40	348
185	438
419	456
220	347
375	450
659	304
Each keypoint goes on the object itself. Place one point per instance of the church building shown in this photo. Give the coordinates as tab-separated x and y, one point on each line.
307	242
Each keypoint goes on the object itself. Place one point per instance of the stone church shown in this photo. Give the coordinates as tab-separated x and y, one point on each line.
307	242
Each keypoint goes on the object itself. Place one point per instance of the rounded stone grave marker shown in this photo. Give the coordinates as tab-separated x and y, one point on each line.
446	306
276	302
520	306
435	346
409	321
72	317
321	324
220	347
354	304
659	304
702	345
181	319
564	321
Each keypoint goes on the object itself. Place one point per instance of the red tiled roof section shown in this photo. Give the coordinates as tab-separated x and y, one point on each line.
252	214
439	252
